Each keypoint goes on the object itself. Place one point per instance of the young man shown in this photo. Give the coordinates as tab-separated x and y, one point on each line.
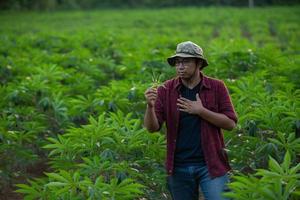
195	108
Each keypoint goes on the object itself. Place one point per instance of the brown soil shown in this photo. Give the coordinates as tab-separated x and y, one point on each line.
34	171
9	194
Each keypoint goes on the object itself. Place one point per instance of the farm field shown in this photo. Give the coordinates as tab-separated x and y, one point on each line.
72	99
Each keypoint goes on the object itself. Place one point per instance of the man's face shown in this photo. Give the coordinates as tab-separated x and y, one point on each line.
186	67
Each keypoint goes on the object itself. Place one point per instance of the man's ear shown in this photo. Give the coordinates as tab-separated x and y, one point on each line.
199	63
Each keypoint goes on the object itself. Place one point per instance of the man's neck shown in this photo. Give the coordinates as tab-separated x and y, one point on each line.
193	81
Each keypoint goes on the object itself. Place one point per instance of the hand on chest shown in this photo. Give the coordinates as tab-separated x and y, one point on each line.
207	97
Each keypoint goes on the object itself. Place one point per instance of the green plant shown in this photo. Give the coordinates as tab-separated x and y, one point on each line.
279	181
108	147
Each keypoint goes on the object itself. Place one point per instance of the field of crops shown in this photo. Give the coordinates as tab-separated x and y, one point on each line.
72	99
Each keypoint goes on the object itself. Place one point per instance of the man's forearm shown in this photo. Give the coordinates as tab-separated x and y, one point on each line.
150	120
217	119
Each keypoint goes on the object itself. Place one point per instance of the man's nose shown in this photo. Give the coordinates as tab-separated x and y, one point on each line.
180	65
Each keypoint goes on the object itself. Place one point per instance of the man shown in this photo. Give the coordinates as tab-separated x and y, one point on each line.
195	108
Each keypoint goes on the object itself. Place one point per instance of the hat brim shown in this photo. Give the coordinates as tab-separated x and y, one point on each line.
171	60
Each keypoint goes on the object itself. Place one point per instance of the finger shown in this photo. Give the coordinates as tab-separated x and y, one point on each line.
184	99
197	97
153	88
151	96
151	99
182	105
151	92
183	110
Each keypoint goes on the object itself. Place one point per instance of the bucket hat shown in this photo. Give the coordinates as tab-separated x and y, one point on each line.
188	49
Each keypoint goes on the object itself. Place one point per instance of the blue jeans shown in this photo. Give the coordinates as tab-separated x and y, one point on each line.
186	182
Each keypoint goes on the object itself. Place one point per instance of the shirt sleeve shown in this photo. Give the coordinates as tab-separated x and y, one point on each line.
225	103
159	106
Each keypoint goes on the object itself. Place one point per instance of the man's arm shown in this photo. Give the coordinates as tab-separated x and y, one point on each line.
150	120
196	107
217	119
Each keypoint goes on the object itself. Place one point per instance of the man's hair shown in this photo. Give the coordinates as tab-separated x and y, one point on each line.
199	62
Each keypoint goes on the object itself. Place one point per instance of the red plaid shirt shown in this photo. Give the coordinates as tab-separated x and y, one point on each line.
215	97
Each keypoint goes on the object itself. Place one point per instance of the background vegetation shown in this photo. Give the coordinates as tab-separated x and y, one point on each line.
92	4
72	84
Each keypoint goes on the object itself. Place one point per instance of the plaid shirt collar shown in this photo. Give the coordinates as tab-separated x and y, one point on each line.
205	82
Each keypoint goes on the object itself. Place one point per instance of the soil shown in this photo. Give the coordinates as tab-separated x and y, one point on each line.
34	171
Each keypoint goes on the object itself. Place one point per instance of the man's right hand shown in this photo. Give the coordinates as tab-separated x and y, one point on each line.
151	95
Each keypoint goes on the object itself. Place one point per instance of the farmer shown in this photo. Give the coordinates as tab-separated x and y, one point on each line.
195	108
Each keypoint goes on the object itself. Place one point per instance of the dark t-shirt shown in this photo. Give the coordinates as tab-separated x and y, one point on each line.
188	145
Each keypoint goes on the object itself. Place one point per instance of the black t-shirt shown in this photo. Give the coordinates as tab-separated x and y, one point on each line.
188	145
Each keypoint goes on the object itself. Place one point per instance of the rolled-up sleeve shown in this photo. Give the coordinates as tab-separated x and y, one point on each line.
225	103
159	106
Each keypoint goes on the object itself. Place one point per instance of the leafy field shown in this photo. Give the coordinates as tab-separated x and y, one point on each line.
72	102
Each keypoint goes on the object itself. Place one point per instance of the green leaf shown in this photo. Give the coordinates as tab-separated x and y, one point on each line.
274	166
275	141
26	189
268	193
56	184
295	169
56	176
287	161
